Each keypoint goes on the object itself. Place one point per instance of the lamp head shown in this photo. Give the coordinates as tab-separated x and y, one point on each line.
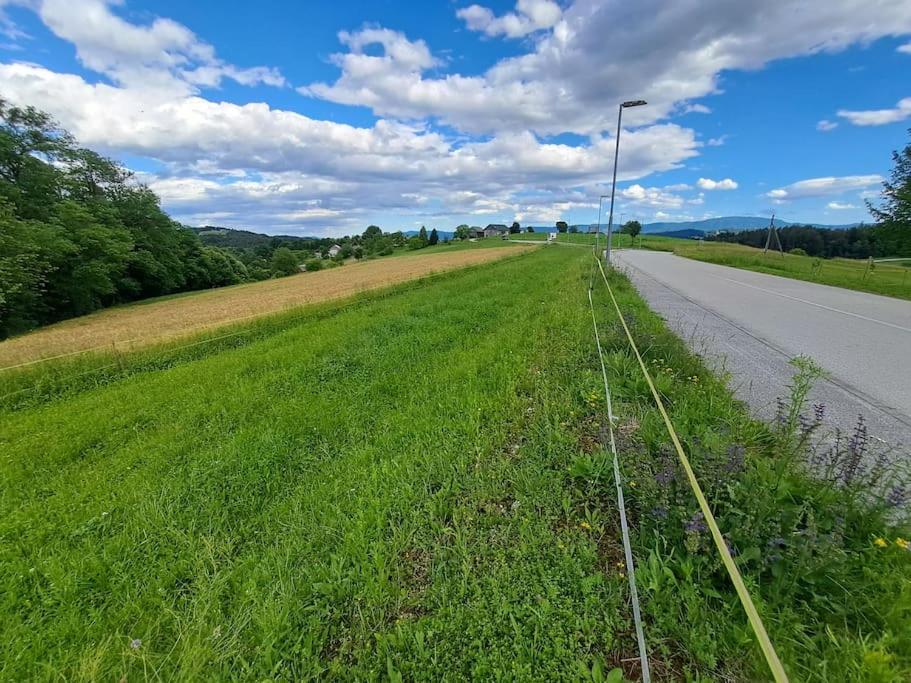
633	103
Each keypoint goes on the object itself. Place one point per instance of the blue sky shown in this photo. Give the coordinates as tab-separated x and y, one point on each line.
321	118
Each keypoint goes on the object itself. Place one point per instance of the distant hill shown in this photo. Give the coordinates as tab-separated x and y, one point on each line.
732	224
442	234
687	233
722	223
244	239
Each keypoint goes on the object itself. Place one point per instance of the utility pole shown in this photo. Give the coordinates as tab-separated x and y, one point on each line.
610	220
768	237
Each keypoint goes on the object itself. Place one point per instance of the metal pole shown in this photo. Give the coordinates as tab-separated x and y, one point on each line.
613	189
597	240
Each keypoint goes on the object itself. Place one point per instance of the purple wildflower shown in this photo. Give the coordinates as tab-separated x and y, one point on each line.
735	458
897	497
819	412
696	524
665	476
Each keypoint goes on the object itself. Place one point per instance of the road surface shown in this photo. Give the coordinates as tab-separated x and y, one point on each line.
750	324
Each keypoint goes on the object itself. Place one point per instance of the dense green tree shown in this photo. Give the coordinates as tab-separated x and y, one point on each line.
372	232
284	262
434	237
515	228
529	229
562	226
76	234
632	228
422	235
893	215
461	232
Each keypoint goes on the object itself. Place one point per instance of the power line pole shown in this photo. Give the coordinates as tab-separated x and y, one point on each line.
768	237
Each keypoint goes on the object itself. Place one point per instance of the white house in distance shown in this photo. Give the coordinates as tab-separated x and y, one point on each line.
334	250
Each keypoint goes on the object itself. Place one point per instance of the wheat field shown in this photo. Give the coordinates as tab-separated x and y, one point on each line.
140	324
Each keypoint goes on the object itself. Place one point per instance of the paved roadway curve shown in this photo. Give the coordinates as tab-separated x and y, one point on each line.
750	324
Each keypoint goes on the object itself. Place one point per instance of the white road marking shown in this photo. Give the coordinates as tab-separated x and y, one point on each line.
813	303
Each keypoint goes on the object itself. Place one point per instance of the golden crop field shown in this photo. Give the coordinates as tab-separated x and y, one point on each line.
141	324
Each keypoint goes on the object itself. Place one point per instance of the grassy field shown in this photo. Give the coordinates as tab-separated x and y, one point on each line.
156	320
413	487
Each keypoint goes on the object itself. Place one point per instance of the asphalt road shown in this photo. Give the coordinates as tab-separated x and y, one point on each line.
750	324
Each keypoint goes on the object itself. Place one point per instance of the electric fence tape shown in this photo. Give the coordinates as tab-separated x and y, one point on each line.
768	650
627	550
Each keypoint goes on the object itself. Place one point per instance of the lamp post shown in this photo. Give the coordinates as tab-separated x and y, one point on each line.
610	220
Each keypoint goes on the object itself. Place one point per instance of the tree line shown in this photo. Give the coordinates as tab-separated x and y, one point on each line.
77	234
889	236
858	242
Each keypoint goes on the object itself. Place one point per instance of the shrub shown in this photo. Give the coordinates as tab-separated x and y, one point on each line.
797	251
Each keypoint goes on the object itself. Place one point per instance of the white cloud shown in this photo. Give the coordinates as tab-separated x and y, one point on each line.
879	117
530	16
163	55
651	196
709	184
840	206
665	53
267	179
717	142
821	187
696	109
906	48
825	126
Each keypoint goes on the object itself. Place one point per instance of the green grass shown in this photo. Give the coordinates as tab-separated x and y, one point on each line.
378	490
411	486
455	245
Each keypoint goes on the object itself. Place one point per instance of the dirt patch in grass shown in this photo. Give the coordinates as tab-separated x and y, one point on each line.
141	324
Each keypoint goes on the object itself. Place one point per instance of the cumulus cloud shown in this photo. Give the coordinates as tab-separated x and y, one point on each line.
906	48
666	53
821	187
162	55
651	196
696	109
709	184
840	206
270	178
825	126
530	16
879	117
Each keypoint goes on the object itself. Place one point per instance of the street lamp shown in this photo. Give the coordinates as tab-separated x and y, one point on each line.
610	220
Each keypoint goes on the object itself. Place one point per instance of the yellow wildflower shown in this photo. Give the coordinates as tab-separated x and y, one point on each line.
585	525
901	543
880	542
